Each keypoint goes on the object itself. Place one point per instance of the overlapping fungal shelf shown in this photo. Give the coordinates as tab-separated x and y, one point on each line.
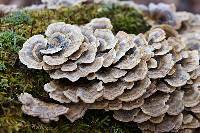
188	24
150	78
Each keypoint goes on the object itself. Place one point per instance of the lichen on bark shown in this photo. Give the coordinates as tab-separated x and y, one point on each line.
15	78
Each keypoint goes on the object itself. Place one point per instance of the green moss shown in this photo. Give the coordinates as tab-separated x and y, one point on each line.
11	41
15	78
126	19
2	66
17	18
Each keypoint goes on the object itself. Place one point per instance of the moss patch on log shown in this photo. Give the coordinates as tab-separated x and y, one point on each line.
15	78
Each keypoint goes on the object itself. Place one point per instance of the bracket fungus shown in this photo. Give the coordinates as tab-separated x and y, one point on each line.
161	13
150	78
37	108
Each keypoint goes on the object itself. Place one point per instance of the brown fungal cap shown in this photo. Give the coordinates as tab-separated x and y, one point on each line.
165	64
110	75
169	123
156	35
175	103
76	111
45	111
125	115
114	90
125	43
106	39
55	91
165	88
138	73
30	53
152	63
156	105
130	61
141	117
179	78
55	51
132	104
157	119
81	71
192	62
162	13
191	97
137	91
99	23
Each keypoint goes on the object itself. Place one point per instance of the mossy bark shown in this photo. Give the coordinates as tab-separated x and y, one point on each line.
15	78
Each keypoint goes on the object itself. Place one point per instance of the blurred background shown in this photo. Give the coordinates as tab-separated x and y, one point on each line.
182	5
